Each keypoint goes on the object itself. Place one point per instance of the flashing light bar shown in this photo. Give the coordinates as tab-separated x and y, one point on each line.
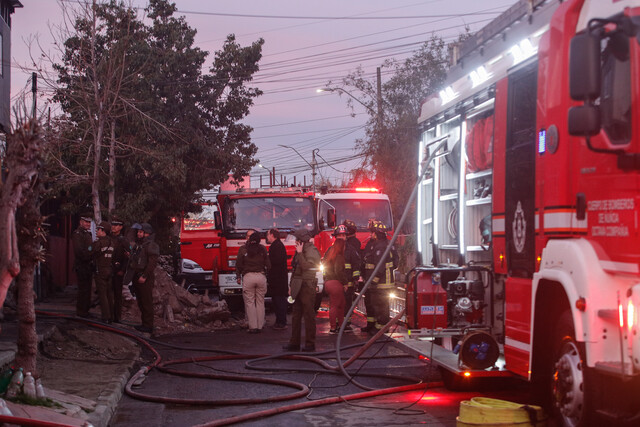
367	190
447	95
522	51
479	76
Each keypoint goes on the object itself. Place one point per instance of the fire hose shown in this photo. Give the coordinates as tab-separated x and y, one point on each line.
441	143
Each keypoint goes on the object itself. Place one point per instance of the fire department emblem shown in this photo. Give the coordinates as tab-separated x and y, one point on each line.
519	226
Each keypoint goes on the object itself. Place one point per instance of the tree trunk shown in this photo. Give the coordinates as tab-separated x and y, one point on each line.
30	238
95	182
112	171
27	336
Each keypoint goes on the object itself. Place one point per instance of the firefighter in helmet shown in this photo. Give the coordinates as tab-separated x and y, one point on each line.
382	284
351	236
352	267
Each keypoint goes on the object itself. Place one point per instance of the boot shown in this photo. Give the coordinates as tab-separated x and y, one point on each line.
370	327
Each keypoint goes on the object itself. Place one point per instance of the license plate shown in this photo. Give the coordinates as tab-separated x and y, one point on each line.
228	280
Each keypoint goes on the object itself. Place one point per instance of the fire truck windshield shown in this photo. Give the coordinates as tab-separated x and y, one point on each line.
204	220
263	213
359	211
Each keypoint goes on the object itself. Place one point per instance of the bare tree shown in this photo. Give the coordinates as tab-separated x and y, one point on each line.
23	160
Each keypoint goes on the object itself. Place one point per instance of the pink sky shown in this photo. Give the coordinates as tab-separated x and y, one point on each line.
291	112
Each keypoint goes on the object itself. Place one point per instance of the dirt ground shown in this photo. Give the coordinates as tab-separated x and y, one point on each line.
76	352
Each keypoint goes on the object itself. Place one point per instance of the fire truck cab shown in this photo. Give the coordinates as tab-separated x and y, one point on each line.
262	209
335	205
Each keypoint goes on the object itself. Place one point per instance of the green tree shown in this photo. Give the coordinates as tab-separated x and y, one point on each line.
168	129
391	142
195	139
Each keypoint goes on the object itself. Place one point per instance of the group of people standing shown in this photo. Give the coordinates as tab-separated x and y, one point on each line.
112	261
346	265
258	269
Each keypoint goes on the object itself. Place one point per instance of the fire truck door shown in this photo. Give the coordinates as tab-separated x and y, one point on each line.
520	172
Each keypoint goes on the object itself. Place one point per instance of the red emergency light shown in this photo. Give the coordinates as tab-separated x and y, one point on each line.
367	190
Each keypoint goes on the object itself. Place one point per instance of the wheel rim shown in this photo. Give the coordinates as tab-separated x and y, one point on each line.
568	384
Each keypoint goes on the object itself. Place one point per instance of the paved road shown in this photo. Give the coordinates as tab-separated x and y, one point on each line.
431	405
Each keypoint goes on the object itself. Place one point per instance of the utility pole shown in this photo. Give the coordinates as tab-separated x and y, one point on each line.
314	165
379	97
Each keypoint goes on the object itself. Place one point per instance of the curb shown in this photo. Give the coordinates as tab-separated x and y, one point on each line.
107	402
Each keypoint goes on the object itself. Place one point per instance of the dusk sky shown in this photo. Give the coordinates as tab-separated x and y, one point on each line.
307	44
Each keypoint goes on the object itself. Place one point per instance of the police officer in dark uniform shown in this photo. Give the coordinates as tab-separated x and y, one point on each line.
102	253
307	263
143	261
121	251
383	282
83	264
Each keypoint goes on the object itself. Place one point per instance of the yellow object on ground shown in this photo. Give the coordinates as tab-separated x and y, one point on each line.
486	411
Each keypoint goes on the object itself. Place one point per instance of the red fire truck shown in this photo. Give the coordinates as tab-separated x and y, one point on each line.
358	204
200	243
210	240
528	221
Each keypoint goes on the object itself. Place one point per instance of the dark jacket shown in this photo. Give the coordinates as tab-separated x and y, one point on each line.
352	263
373	254
120	250
307	262
145	257
246	263
355	243
277	277
82	245
102	253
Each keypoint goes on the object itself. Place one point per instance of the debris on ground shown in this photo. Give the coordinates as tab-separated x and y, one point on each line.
178	310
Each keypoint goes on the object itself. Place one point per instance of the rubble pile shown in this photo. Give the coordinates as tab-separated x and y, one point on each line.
178	310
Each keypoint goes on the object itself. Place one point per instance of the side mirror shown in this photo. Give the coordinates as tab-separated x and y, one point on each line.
584	67
217	220
584	120
331	218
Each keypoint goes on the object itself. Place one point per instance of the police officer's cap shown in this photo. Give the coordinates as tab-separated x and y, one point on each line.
136	226
147	228
116	221
303	235
105	226
86	217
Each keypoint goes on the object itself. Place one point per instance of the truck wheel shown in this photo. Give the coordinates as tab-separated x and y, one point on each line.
568	387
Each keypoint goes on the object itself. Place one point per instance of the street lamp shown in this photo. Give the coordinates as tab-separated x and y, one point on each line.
312	165
376	114
339	89
272	180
